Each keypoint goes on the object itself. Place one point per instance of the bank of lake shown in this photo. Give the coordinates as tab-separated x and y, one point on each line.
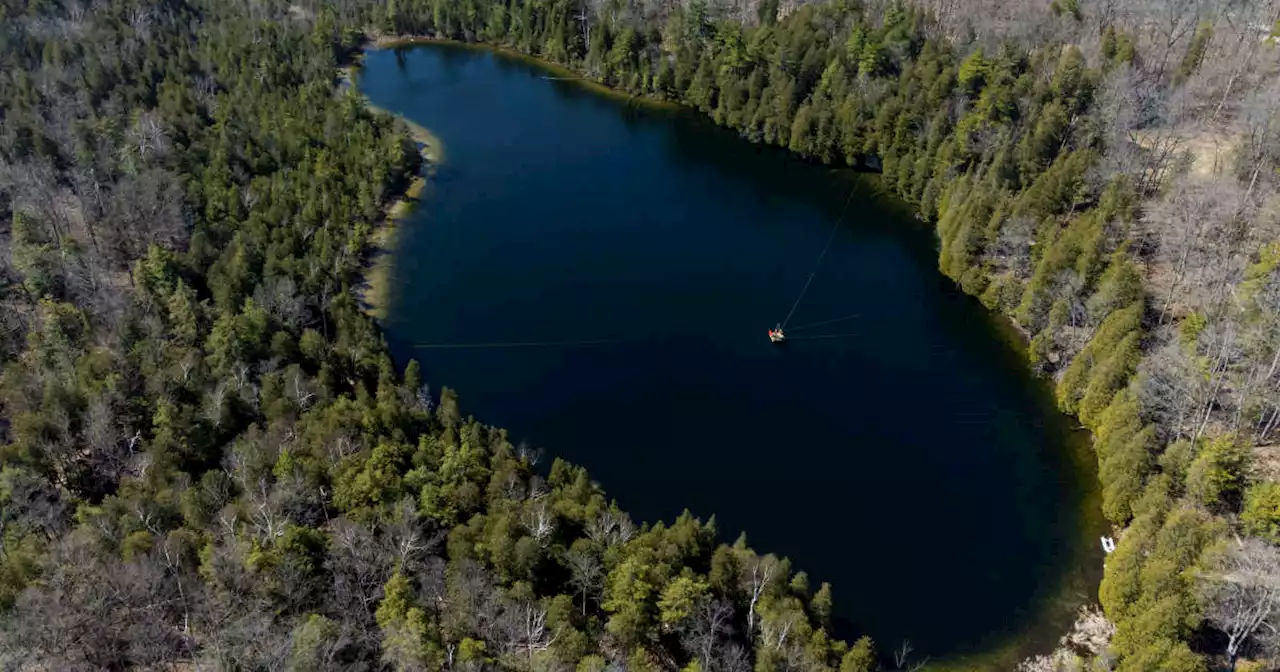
1059	604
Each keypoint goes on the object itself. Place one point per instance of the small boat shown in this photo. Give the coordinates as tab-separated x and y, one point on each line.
776	334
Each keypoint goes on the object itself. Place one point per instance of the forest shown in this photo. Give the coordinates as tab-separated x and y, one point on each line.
1104	173
209	460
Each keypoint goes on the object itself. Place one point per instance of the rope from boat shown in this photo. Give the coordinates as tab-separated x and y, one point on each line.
831	321
814	338
830	238
520	344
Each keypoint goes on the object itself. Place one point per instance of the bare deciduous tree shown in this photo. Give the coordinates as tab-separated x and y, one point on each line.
1241	595
586	575
1013	246
1166	26
1192	228
527	630
93	611
539	522
762	573
279	296
705	636
902	658
411	540
610	528
359	568
1167	385
144	210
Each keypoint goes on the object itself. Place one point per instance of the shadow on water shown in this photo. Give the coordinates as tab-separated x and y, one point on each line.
914	462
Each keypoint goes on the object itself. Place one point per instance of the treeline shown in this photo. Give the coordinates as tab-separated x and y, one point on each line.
1104	173
209	458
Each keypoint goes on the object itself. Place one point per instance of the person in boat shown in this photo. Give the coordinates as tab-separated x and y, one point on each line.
776	335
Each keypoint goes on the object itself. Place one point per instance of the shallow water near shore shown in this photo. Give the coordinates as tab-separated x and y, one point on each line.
598	277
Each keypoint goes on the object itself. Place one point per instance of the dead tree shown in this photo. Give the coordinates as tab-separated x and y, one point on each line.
1241	595
704	638
762	573
1190	227
586	574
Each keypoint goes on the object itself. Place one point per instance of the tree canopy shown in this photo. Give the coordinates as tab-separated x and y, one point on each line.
208	455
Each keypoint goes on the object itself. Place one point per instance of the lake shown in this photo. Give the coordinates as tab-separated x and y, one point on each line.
598	276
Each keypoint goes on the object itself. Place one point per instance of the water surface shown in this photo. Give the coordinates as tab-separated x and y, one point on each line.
903	454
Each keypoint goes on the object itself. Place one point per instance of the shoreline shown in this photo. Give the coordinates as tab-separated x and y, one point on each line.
1055	610
378	268
560	72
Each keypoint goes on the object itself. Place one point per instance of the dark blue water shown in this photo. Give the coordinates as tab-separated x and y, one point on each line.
905	454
